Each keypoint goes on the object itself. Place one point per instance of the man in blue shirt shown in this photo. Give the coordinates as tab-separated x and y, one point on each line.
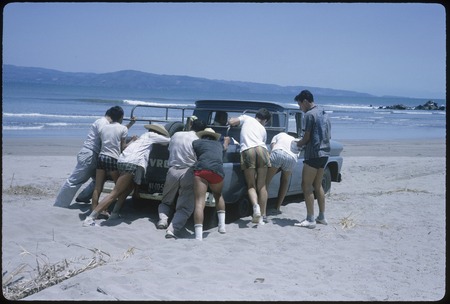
316	142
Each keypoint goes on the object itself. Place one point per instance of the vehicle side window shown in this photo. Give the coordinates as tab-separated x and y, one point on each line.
218	118
299	124
292	124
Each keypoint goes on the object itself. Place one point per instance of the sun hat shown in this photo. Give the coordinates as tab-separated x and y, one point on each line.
209	132
158	129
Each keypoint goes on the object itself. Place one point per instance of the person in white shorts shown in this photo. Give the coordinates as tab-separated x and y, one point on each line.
283	159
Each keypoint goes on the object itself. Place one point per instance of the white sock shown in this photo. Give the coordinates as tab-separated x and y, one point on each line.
198	231
94	214
221	216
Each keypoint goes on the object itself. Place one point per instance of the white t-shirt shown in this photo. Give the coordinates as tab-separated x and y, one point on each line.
111	136
93	141
139	150
253	133
182	153
283	141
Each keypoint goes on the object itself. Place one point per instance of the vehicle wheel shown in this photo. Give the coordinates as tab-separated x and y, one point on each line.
326	181
243	207
173	127
210	219
237	210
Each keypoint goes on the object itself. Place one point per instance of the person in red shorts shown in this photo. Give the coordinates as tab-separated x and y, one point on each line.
208	172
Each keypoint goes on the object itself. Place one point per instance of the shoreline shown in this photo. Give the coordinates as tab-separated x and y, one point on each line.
50	146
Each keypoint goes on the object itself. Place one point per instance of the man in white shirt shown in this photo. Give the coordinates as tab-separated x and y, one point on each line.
283	159
113	137
86	166
255	159
179	181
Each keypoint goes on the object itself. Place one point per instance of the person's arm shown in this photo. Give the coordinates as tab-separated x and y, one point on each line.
226	142
304	140
123	144
126	144
234	121
131	123
163	140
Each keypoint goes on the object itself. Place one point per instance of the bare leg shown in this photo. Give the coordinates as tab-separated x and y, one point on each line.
217	192
200	188
284	184
114	175
220	205
249	175
122	198
308	176
261	189
100	177
122	185
270	174
318	189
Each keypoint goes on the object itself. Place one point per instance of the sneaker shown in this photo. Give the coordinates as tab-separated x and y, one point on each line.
89	222
162	224
222	229
306	224
86	201
322	221
256	214
103	215
265	219
261	221
170	235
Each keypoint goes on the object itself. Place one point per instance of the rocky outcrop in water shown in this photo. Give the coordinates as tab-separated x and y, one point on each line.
429	105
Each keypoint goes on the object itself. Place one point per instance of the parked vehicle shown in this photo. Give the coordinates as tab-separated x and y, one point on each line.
285	118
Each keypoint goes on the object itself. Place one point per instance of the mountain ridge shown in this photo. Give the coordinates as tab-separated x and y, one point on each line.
145	80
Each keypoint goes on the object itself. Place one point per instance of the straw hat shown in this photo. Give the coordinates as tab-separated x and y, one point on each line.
158	129
209	132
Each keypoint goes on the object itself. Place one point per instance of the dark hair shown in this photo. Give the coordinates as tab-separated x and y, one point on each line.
263	114
305	94
198	125
116	113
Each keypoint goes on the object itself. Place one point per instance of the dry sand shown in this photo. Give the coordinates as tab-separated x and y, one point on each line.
386	238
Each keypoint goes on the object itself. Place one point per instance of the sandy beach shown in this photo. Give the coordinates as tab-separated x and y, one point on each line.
386	238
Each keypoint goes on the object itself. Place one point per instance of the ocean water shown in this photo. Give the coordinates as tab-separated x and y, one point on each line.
30	110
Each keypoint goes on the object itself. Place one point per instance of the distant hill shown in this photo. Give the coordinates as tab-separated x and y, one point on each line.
142	80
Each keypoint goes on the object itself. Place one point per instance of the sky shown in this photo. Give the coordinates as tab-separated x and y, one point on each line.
396	49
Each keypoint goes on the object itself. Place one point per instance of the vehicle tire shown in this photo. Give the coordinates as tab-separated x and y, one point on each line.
210	219
173	127
243	207
326	181
237	210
